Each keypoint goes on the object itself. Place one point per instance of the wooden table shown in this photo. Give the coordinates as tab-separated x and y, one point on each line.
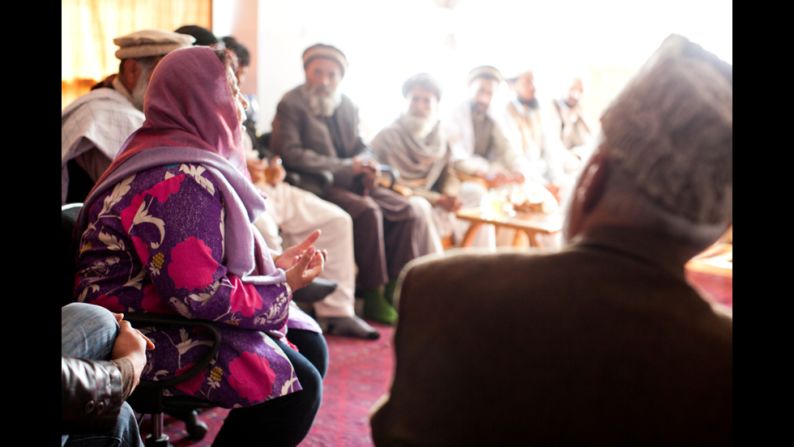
530	224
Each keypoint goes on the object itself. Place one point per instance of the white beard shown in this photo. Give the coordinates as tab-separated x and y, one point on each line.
418	127
320	104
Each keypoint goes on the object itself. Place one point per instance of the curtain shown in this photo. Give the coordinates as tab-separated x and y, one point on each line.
88	28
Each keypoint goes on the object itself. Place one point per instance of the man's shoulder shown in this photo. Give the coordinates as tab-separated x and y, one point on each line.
391	130
293	97
458	268
347	107
103	99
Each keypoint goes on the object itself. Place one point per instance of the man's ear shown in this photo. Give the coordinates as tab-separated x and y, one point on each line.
130	73
594	181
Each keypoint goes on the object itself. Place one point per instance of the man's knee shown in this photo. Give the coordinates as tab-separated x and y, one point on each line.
341	222
420	208
84	314
371	211
127	426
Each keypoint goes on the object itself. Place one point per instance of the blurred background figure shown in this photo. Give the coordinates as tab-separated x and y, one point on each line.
202	35
416	145
243	65
574	131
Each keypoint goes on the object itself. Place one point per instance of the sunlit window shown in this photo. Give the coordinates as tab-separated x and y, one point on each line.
386	42
88	28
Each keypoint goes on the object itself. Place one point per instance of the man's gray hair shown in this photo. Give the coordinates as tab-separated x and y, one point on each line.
144	63
670	132
625	200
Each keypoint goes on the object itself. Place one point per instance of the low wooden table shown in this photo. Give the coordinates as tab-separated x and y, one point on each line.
531	224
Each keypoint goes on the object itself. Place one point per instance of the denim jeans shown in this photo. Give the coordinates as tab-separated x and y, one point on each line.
88	332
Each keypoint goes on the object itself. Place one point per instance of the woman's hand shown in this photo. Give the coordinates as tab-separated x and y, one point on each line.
309	264
290	256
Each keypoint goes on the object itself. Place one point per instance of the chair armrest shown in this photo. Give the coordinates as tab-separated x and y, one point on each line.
315	182
146	319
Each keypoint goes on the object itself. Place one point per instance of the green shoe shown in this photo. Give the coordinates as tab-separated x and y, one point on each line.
377	308
391	286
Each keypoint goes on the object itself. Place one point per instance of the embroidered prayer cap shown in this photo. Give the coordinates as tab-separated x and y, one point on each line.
485	72
671	131
517	74
149	43
327	52
423	80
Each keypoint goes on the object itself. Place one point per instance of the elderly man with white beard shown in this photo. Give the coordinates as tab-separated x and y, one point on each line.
95	125
416	145
316	129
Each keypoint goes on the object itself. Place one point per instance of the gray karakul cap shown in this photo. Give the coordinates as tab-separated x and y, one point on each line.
671	131
149	43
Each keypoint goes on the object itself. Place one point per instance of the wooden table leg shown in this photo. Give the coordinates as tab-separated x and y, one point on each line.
468	238
517	239
533	238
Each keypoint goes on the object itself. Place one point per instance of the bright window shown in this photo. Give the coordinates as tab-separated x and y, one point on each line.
88	28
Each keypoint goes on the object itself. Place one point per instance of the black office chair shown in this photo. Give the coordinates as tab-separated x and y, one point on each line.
80	183
316	182
148	396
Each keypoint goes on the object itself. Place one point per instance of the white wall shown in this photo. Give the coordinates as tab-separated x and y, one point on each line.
387	41
239	18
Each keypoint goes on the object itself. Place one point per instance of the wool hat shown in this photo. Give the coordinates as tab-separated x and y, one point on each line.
327	52
485	72
671	131
149	43
423	80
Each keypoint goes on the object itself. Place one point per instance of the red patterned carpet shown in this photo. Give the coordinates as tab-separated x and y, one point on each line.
359	372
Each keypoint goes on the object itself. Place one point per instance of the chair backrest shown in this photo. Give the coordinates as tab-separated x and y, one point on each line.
80	183
68	248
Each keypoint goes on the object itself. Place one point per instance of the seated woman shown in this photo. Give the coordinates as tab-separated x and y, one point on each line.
168	229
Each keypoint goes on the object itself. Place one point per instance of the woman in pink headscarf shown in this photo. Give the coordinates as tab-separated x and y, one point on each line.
168	229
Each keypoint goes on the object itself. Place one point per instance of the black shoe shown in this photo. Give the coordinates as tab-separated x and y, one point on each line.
348	327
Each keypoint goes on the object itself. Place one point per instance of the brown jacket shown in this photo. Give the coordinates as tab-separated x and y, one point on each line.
594	345
304	142
92	393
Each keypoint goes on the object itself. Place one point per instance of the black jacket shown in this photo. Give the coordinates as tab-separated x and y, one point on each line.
92	393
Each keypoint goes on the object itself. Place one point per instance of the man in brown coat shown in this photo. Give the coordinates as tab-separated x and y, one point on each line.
604	342
316	128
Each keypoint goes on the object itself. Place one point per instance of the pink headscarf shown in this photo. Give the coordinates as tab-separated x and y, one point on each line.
176	116
191	116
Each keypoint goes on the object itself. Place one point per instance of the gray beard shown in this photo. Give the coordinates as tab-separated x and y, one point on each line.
139	91
419	128
322	105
